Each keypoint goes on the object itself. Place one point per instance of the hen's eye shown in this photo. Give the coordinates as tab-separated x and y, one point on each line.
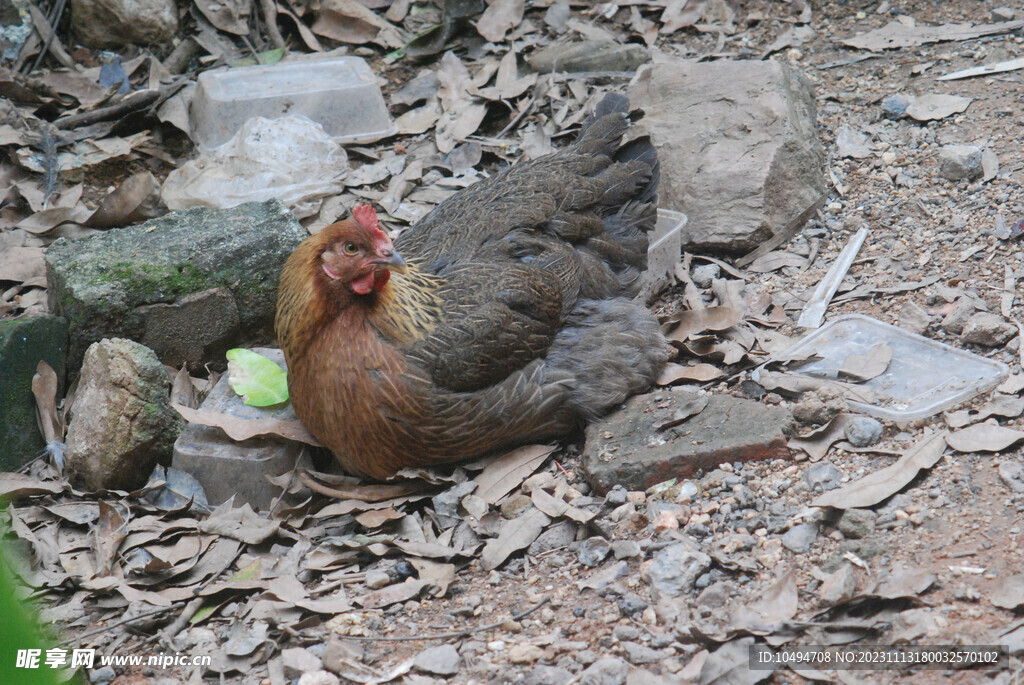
350	249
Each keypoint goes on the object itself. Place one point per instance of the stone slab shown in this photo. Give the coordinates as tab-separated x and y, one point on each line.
626	448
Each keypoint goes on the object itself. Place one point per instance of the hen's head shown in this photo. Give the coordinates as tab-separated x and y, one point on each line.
357	254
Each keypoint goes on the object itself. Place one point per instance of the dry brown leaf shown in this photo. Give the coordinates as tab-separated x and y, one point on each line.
517	534
393	594
44	389
244	429
898	34
378	517
239	523
877	486
680	14
901	581
556	507
984	437
773	261
507	472
348	21
231	16
701	373
441	575
691	322
500	17
137	199
110	530
936	106
779	603
869	365
817	442
17	486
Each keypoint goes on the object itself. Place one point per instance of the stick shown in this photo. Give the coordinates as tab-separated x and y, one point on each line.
130	103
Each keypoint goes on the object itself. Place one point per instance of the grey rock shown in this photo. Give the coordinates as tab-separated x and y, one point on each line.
626	632
588	55
557	536
1003	14
1012	475
958	162
895	106
638	654
738	145
864	431
129	426
116	23
626	549
729	429
615	497
192	283
23	344
839	586
851	143
376	579
441	660
103	674
298	661
705	274
630	605
674	570
913	318
593	551
800	538
988	329
957	317
856	523
823	476
607	671
547	675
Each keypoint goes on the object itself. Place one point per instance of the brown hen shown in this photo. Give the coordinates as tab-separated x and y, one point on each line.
502	317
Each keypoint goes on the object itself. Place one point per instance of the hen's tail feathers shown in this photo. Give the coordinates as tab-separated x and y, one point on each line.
612	349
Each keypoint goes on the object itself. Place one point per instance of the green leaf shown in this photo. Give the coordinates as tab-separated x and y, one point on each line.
258	380
272	56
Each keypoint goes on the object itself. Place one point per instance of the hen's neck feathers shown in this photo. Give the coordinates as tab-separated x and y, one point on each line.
405	310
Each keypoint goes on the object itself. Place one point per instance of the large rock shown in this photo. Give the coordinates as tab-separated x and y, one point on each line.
122	424
739	148
23	344
114	23
630	448
189	284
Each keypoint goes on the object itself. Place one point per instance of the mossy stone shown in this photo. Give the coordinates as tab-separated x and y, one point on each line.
103	284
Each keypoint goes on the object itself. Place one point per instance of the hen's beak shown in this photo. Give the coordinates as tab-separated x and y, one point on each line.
392	261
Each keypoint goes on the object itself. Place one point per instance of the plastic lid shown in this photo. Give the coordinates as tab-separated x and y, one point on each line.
923	378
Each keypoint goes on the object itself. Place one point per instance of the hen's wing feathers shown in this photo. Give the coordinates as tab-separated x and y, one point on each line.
484	332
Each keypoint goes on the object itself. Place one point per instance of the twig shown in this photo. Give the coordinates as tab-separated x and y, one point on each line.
46	32
53	20
130	103
447	636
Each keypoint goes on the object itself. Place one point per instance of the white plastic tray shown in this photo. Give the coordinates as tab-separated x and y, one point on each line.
666	243
923	378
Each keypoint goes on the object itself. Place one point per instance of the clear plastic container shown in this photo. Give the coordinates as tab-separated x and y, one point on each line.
666	244
341	94
923	378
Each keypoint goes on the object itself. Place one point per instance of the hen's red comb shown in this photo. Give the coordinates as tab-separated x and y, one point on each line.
365	215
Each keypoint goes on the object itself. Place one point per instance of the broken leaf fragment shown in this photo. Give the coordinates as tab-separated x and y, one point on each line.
258	381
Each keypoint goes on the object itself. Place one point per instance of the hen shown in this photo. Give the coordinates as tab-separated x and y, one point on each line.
502	317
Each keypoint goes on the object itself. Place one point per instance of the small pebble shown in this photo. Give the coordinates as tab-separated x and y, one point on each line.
864	431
